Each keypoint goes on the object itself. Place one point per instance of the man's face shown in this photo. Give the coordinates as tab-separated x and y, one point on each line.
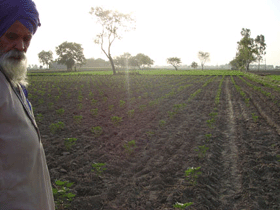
17	37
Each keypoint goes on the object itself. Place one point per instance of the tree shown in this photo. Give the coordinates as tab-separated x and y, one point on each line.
248	50
46	58
261	46
122	61
194	65
203	57
174	61
142	61
70	54
113	23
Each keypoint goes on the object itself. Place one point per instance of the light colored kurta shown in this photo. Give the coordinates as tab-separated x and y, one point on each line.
24	176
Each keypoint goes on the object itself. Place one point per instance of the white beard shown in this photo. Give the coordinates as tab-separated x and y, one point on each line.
15	69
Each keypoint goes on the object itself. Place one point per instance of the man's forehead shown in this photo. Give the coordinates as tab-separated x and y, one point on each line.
19	29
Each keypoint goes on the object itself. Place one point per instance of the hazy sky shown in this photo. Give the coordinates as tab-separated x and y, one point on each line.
177	28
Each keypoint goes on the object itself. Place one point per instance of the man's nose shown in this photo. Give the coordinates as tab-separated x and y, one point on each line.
20	45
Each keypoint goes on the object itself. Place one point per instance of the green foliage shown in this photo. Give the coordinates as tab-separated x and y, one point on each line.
39	117
202	151
192	175
208	136
129	146
94	112
130	113
182	205
80	106
60	111
69	54
78	118
122	103
255	117
162	123
69	142
111	107
93	101
54	127
142	107
98	168
50	105
62	197
116	120
150	133
174	61
97	131
46	58
203	57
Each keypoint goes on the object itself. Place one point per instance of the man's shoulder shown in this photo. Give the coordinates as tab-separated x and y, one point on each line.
4	85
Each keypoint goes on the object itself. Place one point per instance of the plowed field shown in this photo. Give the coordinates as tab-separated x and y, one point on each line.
150	130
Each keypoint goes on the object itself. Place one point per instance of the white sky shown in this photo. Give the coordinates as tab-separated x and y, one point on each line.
177	28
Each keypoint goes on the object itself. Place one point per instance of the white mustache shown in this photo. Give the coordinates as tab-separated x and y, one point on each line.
15	54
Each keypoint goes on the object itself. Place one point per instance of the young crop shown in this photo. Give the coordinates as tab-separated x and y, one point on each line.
111	107
80	98
56	126
98	168
171	114
130	113
105	99
192	175
142	107
94	112
210	122
56	98
150	134
178	205
122	103
93	101
162	123
129	146
202	151
39	117
97	131
69	142
62	197
60	111
41	101
208	136
255	117
80	106
78	118
50	105
116	120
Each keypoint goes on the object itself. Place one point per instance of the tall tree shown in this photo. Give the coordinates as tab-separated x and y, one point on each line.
194	65
122	61
113	24
70	54
203	57
248	50
46	58
261	46
174	61
141	60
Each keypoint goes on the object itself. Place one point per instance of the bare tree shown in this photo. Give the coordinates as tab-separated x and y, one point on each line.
203	57
113	24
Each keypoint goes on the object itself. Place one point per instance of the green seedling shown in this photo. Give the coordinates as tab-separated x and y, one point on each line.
130	113
62	197
80	98
97	131
278	157
122	103
116	120
129	146
39	117
210	122
93	101
94	112
192	175
162	123
255	117
208	136
105	99
50	105
178	205
213	114
98	168
202	151
56	98
150	133
111	107
78	118
171	114
60	111
90	94
54	127
80	106
69	142
142	108
41	101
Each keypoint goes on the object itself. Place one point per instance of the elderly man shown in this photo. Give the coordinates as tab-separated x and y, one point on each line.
24	176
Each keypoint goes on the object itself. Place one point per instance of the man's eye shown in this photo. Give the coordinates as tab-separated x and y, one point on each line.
12	36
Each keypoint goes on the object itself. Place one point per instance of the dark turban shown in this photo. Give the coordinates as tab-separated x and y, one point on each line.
22	10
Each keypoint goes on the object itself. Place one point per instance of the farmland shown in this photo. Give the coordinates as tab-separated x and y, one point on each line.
148	141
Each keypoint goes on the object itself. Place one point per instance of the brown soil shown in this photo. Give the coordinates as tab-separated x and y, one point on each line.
240	169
